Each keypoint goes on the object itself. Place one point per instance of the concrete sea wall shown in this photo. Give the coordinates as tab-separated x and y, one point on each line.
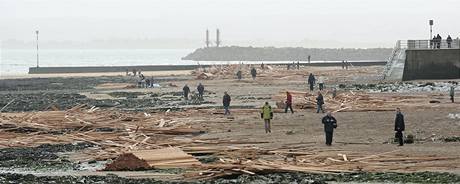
432	64
101	69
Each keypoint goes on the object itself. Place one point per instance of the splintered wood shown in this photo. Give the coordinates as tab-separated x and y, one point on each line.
142	140
166	158
350	101
114	132
155	158
253	161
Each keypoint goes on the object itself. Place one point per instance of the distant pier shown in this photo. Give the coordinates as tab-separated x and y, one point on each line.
102	69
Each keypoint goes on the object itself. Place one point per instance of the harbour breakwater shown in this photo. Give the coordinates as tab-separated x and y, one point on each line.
235	53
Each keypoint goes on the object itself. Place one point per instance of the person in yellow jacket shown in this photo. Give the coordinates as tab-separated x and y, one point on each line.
267	114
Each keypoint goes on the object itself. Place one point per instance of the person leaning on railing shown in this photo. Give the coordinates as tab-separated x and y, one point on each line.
438	41
432	42
449	41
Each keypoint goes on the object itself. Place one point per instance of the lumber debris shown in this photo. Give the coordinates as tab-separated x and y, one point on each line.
345	102
166	158
155	158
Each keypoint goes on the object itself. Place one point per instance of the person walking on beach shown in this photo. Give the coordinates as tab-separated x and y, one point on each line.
311	81
298	65
319	102
200	89
452	93
253	73
343	64
151	81
147	83
334	92
399	126
186	90
321	83
226	102
288	103
309	59
239	75
330	123
267	114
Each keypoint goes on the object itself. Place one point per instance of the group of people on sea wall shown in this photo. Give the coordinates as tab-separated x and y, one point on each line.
436	42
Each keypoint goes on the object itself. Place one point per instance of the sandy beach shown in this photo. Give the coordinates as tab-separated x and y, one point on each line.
364	108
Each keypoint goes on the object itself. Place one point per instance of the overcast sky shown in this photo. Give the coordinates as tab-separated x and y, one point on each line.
344	22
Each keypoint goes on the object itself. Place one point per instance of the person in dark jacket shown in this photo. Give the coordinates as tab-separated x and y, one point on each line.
439	40
200	89
319	102
399	126
449	41
452	93
134	72
288	103
226	102
330	123
253	73
147	82
186	90
311	81
239	75
433	42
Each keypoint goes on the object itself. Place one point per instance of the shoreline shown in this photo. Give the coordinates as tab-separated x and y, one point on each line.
96	74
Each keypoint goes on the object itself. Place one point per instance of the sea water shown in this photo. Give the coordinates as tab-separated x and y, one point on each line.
18	61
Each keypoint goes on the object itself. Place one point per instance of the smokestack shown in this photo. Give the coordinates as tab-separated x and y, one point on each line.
217	38
207	38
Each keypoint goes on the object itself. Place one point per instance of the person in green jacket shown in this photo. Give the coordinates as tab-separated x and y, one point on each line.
267	114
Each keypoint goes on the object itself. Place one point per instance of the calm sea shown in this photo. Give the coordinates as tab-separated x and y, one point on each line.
17	62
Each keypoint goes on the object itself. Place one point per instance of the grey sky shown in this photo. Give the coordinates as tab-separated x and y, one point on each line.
282	22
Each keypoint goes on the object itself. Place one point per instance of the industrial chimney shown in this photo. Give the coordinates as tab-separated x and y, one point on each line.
207	38
217	38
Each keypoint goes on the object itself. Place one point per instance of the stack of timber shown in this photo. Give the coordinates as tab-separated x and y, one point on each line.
155	158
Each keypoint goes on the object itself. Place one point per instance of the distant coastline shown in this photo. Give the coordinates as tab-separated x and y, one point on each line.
235	53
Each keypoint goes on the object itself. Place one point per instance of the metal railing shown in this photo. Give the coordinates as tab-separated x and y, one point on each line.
429	44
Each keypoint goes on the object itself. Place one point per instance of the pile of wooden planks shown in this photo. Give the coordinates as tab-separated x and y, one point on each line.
317	161
115	132
155	158
171	157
